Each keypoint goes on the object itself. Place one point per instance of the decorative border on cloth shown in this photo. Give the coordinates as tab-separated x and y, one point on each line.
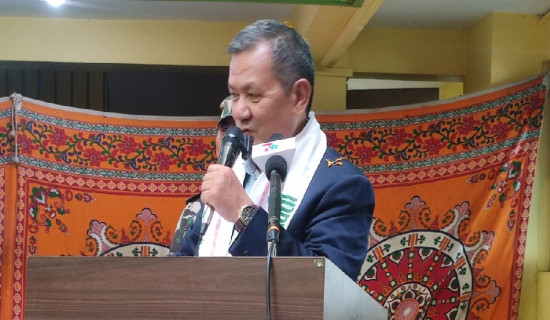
85	149
7	147
2	218
112	174
20	256
438	171
182	187
108	149
7	143
6	113
411	165
521	231
117	129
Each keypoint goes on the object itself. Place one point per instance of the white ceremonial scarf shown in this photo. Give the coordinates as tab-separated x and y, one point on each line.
311	145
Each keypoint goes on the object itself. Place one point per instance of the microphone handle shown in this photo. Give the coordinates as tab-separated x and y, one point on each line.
274	207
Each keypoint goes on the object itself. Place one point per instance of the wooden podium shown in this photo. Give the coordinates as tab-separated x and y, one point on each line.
192	288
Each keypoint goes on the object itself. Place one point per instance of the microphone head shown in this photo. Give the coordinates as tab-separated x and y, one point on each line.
277	163
233	133
276	136
232	145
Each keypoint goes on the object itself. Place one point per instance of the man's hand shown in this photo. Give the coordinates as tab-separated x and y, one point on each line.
223	191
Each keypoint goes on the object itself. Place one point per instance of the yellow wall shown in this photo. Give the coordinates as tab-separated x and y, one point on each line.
517	47
406	51
535	291
331	89
117	41
502	48
451	90
479	53
546	37
542	225
535	296
543	291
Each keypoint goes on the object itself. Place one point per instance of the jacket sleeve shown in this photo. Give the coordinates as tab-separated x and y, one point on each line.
190	240
333	220
186	221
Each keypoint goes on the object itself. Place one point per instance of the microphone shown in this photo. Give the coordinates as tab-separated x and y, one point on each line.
276	169
233	143
276	136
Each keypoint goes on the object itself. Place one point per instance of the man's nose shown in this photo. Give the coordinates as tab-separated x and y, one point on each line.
240	109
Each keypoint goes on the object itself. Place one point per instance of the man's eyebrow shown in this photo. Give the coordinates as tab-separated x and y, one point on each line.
246	87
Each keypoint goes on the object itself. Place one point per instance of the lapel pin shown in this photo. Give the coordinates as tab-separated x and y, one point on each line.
337	162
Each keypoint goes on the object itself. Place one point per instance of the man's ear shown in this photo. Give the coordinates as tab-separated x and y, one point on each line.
302	91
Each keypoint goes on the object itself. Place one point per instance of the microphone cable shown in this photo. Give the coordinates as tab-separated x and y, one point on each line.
268	279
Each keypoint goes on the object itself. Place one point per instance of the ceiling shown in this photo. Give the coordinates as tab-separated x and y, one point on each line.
433	14
131	9
449	14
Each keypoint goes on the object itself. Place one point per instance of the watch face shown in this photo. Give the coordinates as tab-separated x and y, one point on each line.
247	213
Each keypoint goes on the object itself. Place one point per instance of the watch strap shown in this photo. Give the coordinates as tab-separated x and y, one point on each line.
239	225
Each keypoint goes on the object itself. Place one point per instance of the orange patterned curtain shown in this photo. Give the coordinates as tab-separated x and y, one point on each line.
453	182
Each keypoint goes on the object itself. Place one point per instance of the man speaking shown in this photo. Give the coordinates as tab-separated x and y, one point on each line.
328	202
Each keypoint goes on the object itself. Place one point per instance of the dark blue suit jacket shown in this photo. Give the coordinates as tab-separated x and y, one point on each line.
333	220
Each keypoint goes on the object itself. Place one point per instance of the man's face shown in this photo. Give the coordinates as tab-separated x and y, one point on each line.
260	106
